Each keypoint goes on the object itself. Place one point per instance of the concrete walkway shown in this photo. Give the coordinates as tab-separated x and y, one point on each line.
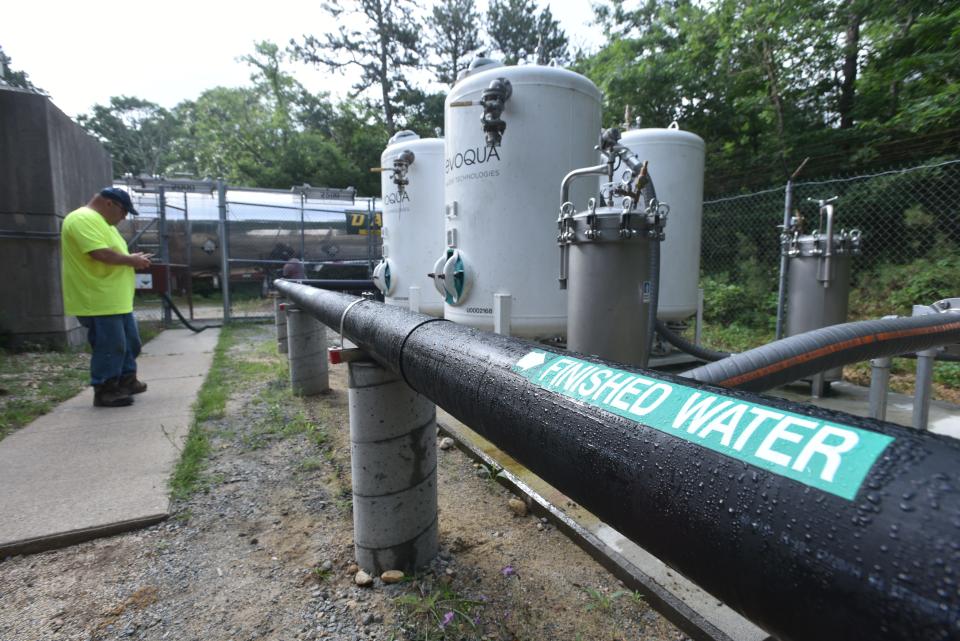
82	472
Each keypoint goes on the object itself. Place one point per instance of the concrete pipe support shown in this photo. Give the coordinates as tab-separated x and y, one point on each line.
307	342
280	320
393	460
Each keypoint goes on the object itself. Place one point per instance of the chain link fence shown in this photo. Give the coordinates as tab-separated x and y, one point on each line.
909	218
199	232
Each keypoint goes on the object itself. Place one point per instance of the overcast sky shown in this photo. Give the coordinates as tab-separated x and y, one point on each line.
84	52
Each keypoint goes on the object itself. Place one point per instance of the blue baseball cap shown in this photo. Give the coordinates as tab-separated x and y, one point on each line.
120	196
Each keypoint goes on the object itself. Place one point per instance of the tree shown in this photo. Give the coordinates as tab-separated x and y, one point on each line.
517	30
910	75
455	34
383	50
13	78
422	112
359	130
278	88
138	134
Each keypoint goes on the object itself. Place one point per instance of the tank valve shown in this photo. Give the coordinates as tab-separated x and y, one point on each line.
493	100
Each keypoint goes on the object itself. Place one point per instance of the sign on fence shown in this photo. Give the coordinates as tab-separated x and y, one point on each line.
327	193
357	223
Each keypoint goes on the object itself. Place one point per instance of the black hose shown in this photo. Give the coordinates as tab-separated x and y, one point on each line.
183	320
654	292
649	194
803	355
678	341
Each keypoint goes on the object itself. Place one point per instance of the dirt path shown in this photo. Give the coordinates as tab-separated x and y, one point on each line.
265	554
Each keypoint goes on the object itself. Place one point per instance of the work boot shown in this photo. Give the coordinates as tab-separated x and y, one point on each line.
110	394
130	384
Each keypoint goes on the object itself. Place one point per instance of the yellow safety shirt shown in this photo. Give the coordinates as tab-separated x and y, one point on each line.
92	287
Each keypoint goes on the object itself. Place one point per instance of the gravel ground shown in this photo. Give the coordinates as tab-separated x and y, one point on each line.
266	553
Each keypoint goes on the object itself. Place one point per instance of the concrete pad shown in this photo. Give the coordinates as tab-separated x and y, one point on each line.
81	472
845	397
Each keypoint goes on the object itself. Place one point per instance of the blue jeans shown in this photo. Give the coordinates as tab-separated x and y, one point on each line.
116	345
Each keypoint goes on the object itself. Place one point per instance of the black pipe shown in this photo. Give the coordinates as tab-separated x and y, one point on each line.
803	355
339	284
678	341
805	561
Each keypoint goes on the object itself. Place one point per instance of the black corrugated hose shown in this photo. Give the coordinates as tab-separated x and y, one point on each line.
803	355
678	341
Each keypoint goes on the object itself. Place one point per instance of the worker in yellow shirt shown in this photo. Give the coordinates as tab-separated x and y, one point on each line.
98	285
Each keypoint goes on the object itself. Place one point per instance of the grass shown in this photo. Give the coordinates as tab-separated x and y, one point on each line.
211	403
438	612
34	382
241	361
597	600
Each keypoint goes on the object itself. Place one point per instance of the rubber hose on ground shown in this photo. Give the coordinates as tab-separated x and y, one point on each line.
183	320
804	355
678	341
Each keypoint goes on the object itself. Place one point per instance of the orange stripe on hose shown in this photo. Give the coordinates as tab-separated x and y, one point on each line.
836	347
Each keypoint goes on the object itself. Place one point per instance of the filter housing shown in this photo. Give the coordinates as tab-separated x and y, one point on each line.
819	283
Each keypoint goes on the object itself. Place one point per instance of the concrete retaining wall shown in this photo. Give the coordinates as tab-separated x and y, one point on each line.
48	167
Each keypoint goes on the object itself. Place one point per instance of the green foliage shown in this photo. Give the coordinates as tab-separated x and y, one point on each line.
745	294
454	35
853	85
768	83
438	612
422	112
12	78
516	30
947	374
894	289
598	600
139	134
732	302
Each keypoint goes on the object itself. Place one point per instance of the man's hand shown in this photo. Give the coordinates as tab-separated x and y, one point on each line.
140	260
137	260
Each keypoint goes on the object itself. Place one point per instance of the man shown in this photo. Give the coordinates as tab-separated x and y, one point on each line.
98	284
293	269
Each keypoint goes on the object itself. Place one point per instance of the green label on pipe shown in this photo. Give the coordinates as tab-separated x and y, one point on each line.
830	457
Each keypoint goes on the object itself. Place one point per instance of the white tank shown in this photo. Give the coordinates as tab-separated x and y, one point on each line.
412	229
676	165
502	202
